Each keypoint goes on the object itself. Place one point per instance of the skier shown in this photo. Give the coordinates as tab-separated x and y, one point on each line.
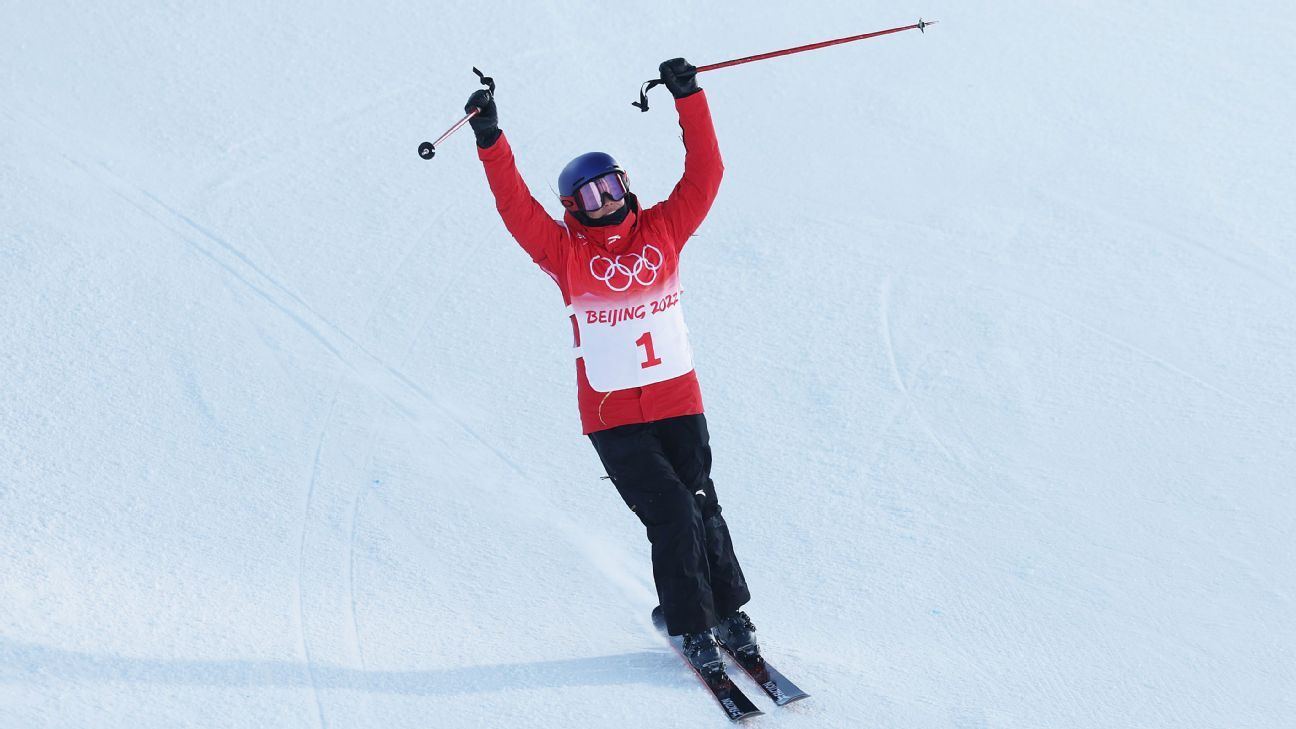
616	264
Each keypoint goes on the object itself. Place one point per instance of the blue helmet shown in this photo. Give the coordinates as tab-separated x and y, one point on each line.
588	166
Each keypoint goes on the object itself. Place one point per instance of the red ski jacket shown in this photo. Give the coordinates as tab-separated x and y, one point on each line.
621	281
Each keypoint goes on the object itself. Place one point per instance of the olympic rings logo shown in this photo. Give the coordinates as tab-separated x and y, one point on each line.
619	276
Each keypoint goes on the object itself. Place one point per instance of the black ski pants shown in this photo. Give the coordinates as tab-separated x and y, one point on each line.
662	470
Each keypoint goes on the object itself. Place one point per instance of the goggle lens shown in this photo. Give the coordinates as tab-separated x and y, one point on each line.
590	195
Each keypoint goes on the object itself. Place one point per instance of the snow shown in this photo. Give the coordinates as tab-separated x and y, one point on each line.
994	324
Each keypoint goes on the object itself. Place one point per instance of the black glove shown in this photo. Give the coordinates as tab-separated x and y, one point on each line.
679	76
486	124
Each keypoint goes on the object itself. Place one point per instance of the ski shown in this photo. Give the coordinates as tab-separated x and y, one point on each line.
775	685
732	700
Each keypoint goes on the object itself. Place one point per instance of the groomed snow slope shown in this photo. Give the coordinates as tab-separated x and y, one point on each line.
995	327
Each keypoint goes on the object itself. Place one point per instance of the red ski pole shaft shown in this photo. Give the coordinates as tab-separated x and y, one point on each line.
814	46
642	103
427	150
458	125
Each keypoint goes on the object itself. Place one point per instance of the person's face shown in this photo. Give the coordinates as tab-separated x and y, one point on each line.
609	207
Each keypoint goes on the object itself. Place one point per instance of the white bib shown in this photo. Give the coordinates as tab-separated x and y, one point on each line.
632	331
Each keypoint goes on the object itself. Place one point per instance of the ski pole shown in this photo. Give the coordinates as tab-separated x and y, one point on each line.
642	103
427	150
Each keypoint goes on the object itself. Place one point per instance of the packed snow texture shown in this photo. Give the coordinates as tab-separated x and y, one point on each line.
995	326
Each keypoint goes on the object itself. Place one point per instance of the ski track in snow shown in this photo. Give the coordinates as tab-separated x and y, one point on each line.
333	563
1118	341
351	578
1150	232
442	293
301	559
282	154
231	269
418	243
316	328
884	317
1236	262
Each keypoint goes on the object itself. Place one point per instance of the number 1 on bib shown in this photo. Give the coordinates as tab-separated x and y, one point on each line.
646	342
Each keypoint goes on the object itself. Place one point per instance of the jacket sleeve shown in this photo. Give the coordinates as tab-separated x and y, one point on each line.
542	237
687	205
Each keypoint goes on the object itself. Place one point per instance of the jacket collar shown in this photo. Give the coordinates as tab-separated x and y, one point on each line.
614	239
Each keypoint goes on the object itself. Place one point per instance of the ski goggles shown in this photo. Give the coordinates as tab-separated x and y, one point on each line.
589	196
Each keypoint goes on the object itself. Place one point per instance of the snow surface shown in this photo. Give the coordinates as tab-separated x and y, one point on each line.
995	327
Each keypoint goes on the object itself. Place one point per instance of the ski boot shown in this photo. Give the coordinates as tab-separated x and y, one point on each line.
735	632
700	649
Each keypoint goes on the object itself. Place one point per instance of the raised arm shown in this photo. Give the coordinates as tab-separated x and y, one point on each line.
539	235
688	204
